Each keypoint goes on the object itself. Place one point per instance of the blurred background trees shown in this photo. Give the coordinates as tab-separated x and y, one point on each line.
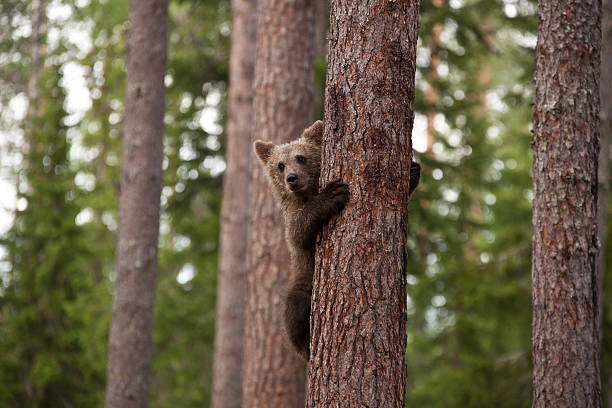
273	374
469	238
130	345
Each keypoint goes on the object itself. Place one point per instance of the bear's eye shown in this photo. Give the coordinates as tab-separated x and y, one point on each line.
300	159
281	166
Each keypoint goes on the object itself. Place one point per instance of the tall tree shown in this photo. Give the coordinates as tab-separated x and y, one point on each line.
130	345
49	281
231	277
358	323
273	374
37	51
565	340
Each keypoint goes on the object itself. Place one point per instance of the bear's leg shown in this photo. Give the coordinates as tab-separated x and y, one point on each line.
297	321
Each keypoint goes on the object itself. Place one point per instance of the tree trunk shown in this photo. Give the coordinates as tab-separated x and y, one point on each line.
38	49
565	339
358	323
130	349
603	173
273	374
231	289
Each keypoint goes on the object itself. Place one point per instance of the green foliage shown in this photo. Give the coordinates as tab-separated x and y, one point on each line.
470	228
191	201
468	271
44	360
55	305
14	48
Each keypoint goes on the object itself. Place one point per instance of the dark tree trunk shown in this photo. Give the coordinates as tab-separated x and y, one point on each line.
130	349
358	328
273	374
231	289
603	173
566	147
604	155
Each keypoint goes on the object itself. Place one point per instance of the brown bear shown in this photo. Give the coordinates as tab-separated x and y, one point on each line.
293	170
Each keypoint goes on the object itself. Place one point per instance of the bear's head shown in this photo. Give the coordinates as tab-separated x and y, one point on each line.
294	168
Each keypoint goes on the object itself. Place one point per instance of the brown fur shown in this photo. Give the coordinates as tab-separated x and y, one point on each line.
305	211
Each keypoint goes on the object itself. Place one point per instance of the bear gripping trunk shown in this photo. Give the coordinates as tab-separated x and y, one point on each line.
358	329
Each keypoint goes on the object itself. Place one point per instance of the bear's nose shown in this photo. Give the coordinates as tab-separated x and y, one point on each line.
292	178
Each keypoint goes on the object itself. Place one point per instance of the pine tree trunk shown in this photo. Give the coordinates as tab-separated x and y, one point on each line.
273	374
130	349
603	173
231	289
358	323
566	147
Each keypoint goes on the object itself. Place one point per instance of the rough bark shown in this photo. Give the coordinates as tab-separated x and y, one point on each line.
130	349
231	277
605	115
604	155
358	328
565	341
273	374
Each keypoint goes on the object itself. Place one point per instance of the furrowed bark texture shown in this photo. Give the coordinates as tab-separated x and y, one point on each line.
273	374
358	323
565	340
231	278
130	350
603	173
604	158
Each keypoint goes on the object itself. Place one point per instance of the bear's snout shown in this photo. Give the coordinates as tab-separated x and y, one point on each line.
292	180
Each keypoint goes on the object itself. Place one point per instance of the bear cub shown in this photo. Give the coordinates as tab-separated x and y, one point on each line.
293	170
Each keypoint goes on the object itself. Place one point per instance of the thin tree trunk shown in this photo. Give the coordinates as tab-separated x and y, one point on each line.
273	374
566	147
358	322
38	49
130	348
231	289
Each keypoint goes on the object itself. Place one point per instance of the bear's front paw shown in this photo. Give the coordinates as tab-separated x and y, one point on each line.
335	195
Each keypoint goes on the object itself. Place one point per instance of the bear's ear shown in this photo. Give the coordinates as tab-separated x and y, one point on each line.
263	150
314	134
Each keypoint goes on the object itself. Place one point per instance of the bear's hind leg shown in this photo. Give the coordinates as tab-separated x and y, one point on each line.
297	321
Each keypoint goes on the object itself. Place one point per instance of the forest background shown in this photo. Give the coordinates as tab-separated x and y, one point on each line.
469	251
